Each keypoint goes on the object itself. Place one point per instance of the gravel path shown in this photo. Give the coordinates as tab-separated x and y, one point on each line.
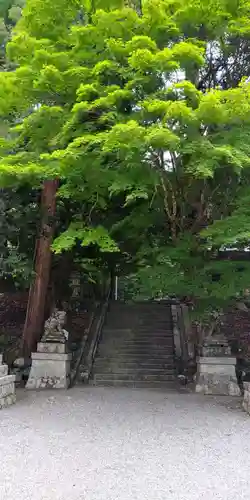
124	444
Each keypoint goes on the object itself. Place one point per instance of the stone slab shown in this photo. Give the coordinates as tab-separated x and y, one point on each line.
217	376
52	347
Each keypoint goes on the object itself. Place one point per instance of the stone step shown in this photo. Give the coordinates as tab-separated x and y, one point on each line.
134	361
105	352
165	301
163	309
134	377
154	324
133	336
136	331
152	339
147	331
130	341
142	308
121	362
128	322
154	332
110	342
133	370
113	357
133	356
170	385
158	312
124	344
141	313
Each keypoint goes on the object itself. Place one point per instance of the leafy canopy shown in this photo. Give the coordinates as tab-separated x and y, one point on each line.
120	101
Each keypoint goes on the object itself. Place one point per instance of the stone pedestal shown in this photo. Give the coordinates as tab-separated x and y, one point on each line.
50	367
7	386
246	398
216	375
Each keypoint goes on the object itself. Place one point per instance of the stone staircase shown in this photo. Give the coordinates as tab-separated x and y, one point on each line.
136	347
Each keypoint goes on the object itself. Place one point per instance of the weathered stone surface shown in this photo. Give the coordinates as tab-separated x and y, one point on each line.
216	348
7	390
217	376
49	371
246	398
50	356
3	370
8	400
52	347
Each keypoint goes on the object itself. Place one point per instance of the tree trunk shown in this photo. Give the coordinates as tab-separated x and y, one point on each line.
38	290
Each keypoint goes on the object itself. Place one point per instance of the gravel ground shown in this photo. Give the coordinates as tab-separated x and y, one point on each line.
124	444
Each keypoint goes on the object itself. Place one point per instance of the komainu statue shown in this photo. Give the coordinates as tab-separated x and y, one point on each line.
53	328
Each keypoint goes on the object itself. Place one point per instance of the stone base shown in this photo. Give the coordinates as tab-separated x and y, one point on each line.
216	375
50	367
246	398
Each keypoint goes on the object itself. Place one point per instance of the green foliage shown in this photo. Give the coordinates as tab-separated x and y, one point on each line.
10	13
86	236
18	219
141	113
235	229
